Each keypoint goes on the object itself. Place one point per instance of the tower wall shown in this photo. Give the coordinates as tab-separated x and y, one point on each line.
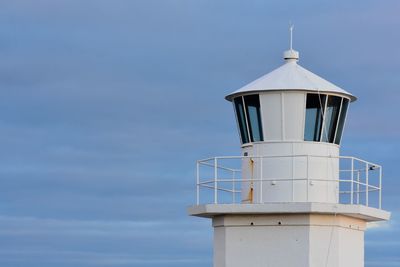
288	240
291	172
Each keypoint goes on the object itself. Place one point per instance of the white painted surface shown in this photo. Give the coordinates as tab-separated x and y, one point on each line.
290	76
291	54
283	115
294	109
271	112
288	240
365	213
318	172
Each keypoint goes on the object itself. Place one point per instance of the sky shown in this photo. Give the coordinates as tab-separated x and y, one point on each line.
105	106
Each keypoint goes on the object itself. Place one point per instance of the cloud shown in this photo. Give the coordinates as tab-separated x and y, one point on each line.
100	243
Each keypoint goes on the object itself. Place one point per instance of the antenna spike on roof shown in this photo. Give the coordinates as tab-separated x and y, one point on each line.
291	27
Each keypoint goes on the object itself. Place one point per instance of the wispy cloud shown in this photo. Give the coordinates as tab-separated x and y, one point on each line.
100	243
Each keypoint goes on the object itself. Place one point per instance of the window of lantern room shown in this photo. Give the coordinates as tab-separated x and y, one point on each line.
252	103
325	117
248	116
314	117
331	118
342	118
241	119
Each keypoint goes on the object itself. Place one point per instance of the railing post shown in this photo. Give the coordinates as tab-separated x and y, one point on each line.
358	187
215	181
367	184
308	177
261	180
197	183
380	187
233	187
352	181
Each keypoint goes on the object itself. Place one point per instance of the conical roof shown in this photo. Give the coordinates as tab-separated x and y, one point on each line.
290	76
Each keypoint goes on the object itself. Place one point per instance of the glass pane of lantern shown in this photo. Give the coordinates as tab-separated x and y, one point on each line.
331	117
241	119
342	119
315	105
252	103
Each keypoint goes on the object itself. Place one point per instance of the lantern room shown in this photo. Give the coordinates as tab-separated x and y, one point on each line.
290	104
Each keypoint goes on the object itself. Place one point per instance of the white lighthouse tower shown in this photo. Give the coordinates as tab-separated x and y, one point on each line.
290	199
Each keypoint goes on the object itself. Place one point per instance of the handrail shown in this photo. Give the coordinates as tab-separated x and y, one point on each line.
359	189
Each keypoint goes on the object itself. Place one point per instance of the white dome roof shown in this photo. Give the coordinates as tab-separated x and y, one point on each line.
290	76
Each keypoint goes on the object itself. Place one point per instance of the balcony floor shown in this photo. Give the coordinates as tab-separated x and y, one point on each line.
368	214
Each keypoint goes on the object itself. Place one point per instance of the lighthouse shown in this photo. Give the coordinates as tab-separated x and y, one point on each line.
290	199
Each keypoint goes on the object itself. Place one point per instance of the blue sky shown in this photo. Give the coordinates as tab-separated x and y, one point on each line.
106	105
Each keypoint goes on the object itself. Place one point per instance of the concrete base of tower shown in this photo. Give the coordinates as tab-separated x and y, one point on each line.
286	240
289	234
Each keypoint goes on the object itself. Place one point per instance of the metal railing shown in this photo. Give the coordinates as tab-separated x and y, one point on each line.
219	179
